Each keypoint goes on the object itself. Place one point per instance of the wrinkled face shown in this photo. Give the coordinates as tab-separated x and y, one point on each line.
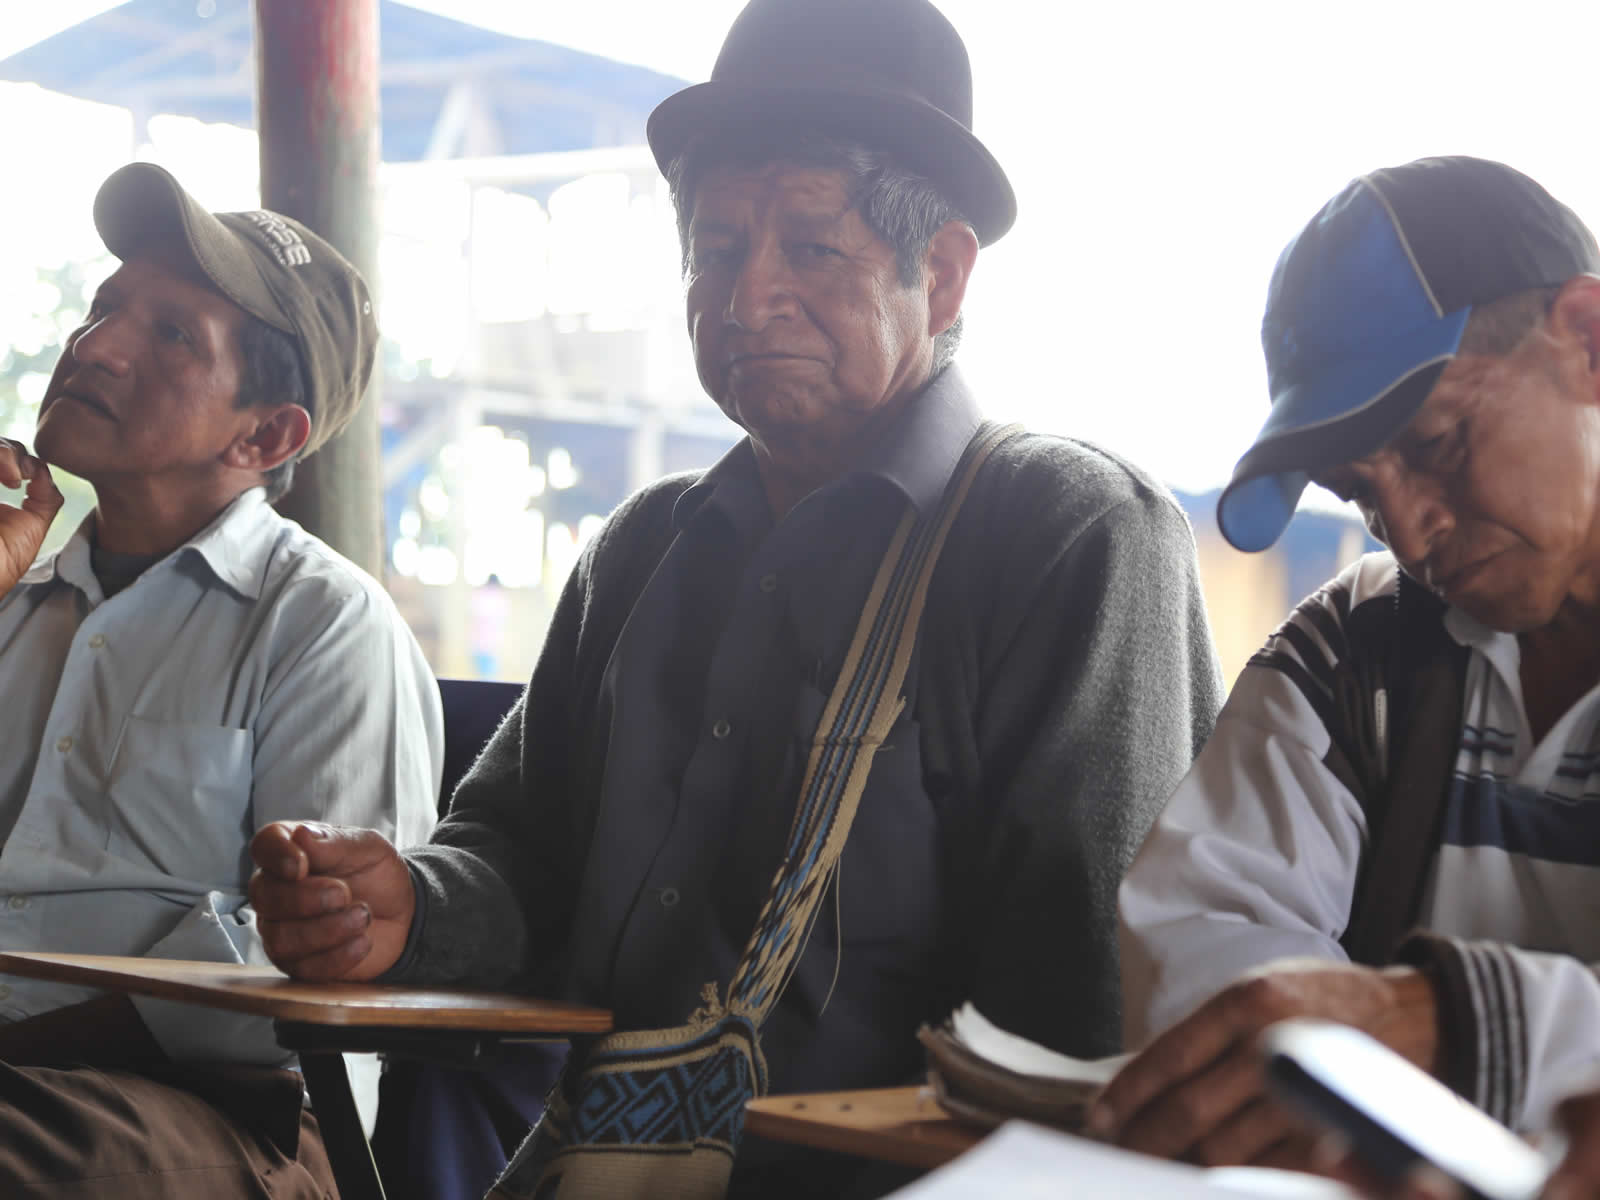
802	330
146	385
1490	496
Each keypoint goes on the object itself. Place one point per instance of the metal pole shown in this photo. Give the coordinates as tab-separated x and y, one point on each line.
317	114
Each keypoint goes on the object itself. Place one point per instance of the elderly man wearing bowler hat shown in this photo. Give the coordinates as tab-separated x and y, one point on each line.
619	840
1416	748
189	666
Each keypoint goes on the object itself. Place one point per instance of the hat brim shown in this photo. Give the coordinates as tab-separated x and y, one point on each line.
141	204
920	136
1344	413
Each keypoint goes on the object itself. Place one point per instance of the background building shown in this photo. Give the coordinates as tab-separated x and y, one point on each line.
534	365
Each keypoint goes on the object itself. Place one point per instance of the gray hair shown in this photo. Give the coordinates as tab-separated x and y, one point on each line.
1497	328
902	208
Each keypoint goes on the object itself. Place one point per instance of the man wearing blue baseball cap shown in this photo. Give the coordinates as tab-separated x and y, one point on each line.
1400	796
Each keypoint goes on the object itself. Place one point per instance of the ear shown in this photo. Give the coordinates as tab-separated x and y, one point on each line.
1576	311
274	437
952	252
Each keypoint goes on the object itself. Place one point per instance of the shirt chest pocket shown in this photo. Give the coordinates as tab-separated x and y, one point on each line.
179	800
888	889
887	893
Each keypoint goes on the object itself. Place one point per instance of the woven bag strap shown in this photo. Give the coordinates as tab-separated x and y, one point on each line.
861	710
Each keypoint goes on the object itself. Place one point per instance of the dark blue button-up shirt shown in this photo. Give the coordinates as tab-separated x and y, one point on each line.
716	686
615	840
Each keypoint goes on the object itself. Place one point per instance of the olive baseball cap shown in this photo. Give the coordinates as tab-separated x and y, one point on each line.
1367	306
268	264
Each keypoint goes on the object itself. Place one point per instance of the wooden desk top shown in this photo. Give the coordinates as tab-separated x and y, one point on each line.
268	992
901	1125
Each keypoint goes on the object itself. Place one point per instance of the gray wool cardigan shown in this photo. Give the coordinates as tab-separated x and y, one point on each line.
1067	678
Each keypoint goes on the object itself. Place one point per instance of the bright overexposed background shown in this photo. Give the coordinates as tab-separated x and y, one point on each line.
1162	152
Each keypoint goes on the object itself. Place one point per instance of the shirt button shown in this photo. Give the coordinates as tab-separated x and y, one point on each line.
64	745
18	902
669	897
721	730
769	583
97	641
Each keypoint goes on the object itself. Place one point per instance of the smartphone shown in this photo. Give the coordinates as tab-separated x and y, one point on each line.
1394	1114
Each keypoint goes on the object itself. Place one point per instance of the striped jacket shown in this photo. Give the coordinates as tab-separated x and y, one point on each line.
1262	851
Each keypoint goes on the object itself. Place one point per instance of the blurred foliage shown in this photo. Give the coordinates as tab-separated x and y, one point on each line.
28	353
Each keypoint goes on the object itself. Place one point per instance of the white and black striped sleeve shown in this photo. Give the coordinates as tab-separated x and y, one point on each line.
1255	856
1520	1029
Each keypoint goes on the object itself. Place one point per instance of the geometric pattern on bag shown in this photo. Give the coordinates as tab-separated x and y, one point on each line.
689	1097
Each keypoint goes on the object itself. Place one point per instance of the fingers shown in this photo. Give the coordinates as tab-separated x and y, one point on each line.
340	963
1180	1120
292	850
1181	1053
339	851
281	900
43	498
304	871
19	469
11	463
1258	1132
17	466
331	903
275	854
320	948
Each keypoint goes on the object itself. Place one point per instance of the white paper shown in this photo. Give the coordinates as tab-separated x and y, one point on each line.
1014	1053
1020	1161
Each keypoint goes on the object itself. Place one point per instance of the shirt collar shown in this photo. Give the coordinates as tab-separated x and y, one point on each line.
70	564
1501	649
232	546
237	546
734	472
918	455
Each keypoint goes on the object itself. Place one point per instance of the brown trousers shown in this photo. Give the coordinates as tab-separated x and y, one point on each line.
215	1132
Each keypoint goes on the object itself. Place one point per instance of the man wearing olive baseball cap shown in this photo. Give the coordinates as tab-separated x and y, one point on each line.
1405	777
190	665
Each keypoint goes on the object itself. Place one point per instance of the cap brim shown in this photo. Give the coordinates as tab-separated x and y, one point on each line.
141	204
1345	412
920	136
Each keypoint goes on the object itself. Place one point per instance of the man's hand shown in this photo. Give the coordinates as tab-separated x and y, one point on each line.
1197	1092
1579	1172
331	903
22	528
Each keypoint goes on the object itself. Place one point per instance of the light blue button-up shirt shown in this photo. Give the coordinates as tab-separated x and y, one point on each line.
252	675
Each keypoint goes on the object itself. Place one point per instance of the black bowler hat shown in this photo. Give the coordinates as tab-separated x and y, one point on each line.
891	74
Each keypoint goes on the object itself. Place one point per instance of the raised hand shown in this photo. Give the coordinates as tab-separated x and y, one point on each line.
331	903
22	527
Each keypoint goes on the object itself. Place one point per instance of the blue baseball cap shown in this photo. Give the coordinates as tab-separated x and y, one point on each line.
1367	306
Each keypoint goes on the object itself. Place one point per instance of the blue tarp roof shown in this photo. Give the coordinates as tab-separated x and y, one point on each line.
194	57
